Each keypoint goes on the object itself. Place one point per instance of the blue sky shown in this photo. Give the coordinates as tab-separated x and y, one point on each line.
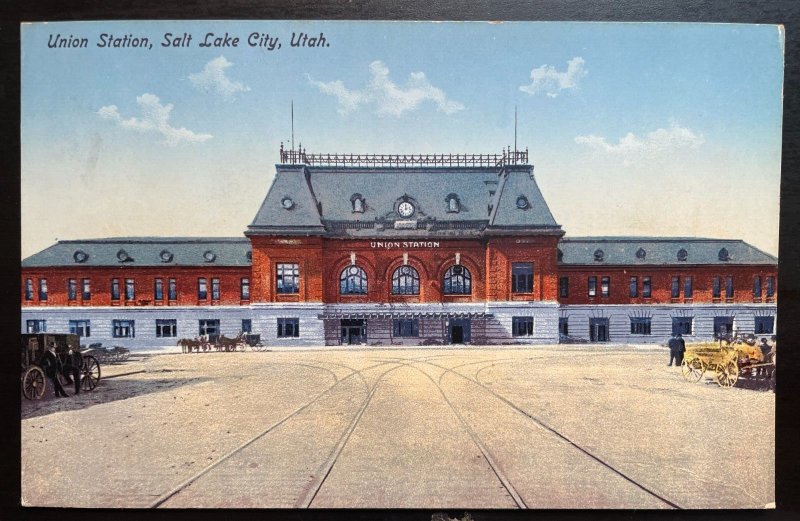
634	129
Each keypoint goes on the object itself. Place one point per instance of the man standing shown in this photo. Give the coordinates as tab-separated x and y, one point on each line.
52	368
681	350
674	350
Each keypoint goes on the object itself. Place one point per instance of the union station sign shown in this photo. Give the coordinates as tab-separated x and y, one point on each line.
388	245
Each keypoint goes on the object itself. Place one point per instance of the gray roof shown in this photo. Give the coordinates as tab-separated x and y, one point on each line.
323	195
144	251
622	251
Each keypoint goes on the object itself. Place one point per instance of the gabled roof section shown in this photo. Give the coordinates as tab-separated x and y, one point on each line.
290	207
660	251
144	252
519	203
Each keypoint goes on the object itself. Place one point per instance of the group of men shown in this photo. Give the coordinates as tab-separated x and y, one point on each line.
53	368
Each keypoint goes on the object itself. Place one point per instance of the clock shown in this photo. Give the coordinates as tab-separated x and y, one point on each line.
405	209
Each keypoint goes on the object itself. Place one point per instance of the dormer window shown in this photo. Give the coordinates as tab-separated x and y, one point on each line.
682	255
287	203
724	255
522	202
453	204
357	201
599	255
641	254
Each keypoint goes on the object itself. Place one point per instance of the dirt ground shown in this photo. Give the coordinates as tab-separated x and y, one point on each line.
542	427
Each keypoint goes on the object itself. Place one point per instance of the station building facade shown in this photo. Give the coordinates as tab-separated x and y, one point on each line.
400	250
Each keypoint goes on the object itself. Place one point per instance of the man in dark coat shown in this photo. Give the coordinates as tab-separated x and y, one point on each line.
681	349
52	368
674	350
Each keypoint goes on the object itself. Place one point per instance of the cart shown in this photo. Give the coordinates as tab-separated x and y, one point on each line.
253	341
728	359
67	348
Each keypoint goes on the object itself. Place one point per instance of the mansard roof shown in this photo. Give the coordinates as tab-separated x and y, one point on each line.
144	252
634	251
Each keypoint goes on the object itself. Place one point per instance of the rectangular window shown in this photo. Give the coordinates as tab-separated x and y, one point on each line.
728	287
28	289
715	287
72	289
42	289
244	291
764	325
522	277
214	289
166	328
80	328
770	287
130	290
247	325
634	287
757	287
688	291
592	286
605	286
563	326
36	326
123	328
676	287
723	326
287	278
682	325
522	326
86	293
114	289
288	327
646	287
173	289
563	287
158	289
640	325
202	289
406	327
209	326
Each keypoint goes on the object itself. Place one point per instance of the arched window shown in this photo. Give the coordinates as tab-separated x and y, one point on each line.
405	281
457	281
353	281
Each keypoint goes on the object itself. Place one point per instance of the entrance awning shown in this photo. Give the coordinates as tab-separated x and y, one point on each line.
402	314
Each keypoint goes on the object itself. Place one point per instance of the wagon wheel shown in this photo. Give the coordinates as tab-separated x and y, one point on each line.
693	369
33	383
727	374
90	373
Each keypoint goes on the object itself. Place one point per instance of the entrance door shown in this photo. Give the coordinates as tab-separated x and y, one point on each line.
354	332
459	331
598	329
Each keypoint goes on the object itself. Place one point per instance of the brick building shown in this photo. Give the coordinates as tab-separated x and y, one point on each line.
400	250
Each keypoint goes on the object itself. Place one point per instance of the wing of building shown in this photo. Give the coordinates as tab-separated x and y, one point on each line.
400	250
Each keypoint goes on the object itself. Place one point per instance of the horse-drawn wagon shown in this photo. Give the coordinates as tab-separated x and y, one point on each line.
206	343
67	348
728	359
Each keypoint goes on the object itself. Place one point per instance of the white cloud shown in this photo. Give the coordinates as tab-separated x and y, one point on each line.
385	95
660	140
155	118
213	78
548	80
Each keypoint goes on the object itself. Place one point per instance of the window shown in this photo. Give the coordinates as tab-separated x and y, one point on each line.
405	281
592	286
522	326
87	290
406	327
114	289
687	287
757	287
358	203
244	289
728	287
28	289
563	326
214	289
208	326
123	328
80	328
522	277
457	281
36	326
72	289
764	325
676	287
158	289
646	287
288	327
723	326
605	286
288	278
247	325
453	205
173	289
166	328
130	292
682	325
770	287
353	281
715	287
42	289
202	289
640	325
634	287
563	287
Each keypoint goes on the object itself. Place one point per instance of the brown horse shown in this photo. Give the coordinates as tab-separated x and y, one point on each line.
230	344
187	344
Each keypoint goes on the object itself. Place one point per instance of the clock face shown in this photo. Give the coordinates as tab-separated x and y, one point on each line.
405	209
